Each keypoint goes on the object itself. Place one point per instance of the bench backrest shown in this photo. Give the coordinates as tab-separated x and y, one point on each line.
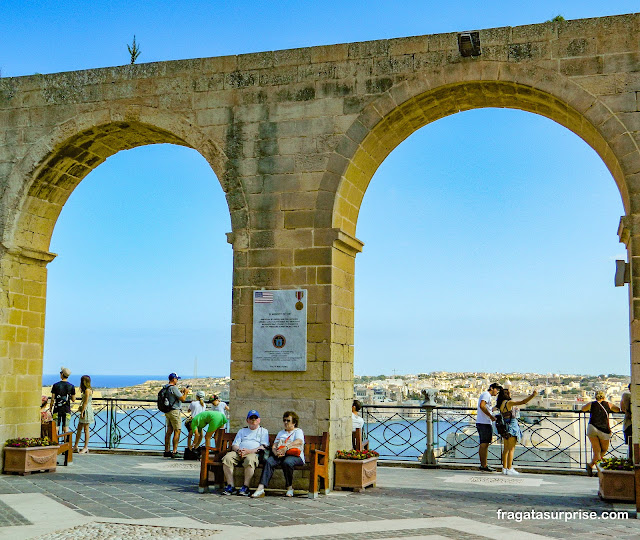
224	440
315	442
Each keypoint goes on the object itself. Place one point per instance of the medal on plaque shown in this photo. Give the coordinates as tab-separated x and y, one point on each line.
299	304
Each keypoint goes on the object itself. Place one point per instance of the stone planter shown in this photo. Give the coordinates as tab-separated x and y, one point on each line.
355	473
616	485
32	459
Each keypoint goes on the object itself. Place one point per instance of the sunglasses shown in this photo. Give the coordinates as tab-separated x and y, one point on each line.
253	417
287	420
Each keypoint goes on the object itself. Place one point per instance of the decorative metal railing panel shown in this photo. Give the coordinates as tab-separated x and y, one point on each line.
132	424
552	438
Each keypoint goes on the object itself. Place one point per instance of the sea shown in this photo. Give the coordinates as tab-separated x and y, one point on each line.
109	381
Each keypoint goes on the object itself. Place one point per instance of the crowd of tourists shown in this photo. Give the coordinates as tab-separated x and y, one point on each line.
502	417
251	444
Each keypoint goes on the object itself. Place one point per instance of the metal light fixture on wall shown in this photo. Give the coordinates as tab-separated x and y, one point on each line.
622	273
469	44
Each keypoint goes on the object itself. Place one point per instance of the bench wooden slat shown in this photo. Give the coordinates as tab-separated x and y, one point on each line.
357	442
50	429
315	454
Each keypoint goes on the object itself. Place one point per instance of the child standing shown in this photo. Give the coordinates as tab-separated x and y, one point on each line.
222	407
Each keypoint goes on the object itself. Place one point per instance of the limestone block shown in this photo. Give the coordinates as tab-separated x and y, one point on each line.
238	333
299	219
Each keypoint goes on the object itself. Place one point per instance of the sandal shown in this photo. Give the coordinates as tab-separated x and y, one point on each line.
84	451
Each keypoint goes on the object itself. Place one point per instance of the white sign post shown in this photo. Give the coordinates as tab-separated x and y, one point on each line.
280	330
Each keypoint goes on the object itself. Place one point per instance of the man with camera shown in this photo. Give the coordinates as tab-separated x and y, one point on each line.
245	449
173	417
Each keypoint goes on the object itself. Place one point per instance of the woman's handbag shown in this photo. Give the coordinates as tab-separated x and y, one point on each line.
290	451
263	455
501	427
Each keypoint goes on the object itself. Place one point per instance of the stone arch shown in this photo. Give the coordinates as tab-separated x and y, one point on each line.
411	104
39	185
55	166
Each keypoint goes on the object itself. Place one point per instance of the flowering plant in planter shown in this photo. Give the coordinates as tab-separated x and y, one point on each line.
356	454
29	442
616	464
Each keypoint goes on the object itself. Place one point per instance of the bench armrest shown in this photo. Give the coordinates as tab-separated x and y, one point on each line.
318	457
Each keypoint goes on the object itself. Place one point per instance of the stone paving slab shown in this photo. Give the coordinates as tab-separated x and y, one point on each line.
161	492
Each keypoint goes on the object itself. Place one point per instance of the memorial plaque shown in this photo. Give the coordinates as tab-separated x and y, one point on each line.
280	330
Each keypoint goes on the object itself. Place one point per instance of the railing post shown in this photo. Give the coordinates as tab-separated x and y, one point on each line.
111	422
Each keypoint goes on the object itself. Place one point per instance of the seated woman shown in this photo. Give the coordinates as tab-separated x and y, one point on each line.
45	413
288	451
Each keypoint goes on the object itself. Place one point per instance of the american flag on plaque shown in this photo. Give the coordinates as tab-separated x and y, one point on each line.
262	297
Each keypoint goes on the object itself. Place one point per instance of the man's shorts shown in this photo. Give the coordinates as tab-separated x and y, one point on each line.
62	419
174	419
486	433
593	431
231	459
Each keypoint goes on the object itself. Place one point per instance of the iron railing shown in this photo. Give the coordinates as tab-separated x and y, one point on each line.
132	424
552	438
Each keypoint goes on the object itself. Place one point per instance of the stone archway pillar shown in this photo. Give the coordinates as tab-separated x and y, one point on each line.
629	234
323	262
23	284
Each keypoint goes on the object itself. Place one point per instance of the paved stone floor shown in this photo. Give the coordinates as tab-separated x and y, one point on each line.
112	496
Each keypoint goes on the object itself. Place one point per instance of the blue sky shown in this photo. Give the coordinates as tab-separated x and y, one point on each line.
495	252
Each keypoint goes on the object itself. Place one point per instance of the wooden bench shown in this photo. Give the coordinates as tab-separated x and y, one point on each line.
50	429
315	456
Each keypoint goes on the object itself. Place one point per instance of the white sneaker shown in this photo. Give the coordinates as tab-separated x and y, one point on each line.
509	472
504	470
258	493
513	471
289	492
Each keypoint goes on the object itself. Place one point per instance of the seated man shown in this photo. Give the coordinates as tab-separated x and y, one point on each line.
212	420
356	420
244	449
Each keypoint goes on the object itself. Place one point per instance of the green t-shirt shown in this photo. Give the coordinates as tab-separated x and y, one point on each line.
212	420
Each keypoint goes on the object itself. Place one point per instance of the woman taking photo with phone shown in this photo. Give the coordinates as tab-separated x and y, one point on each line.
510	413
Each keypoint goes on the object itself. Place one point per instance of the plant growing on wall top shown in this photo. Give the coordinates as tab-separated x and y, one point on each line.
134	50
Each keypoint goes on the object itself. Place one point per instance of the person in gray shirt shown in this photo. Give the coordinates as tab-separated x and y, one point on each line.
173	417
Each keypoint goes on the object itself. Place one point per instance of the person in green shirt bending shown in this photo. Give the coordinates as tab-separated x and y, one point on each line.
212	420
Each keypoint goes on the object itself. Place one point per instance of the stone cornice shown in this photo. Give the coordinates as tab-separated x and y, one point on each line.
28	253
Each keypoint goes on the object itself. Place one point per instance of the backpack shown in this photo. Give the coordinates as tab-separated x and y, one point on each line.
164	399
501	427
61	401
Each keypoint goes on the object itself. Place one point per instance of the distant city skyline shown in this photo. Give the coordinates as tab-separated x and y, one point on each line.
490	235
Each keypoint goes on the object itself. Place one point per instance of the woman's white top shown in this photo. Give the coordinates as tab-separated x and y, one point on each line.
289	437
196	408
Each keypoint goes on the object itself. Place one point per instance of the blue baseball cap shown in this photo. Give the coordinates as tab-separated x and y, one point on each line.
173	376
253	412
